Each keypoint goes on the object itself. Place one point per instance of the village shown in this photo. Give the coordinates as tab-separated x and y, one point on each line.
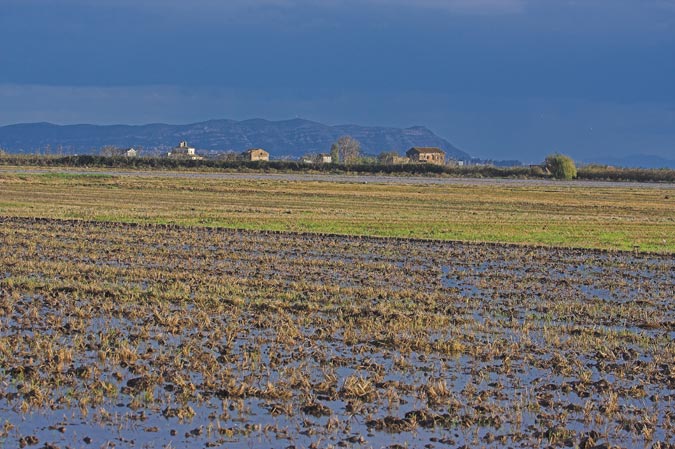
341	152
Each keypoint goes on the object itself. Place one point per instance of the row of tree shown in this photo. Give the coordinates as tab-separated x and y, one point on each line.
347	150
472	171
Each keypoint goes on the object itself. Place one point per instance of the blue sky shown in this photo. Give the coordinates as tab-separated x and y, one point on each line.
498	78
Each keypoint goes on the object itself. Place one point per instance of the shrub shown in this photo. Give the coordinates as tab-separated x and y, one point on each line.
561	166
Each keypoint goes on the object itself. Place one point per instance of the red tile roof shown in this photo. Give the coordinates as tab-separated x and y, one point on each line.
422	150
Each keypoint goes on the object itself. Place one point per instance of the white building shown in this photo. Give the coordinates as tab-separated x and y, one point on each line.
183	151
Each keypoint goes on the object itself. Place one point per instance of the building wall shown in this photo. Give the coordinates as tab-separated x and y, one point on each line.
434	158
430	158
188	151
184	148
259	155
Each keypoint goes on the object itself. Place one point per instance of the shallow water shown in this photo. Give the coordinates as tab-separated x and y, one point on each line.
281	340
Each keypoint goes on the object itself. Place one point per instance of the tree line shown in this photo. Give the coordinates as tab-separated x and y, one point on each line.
474	171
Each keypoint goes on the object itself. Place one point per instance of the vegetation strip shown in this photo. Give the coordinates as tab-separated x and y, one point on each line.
625	218
604	173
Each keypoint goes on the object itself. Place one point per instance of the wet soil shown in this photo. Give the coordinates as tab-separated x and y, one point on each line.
116	335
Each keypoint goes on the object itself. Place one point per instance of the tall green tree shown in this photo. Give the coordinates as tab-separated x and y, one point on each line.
561	166
334	154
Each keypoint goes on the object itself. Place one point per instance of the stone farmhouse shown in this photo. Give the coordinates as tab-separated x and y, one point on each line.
255	154
427	155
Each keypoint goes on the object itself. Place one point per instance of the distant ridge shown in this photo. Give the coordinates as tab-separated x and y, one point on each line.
281	138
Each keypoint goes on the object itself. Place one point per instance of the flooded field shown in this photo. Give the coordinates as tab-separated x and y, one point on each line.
122	335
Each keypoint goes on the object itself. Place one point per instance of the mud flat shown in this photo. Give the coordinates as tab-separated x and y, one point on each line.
166	336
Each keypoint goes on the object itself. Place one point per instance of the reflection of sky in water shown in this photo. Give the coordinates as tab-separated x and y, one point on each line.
494	297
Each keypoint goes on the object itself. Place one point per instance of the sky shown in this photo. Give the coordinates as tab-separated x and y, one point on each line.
500	79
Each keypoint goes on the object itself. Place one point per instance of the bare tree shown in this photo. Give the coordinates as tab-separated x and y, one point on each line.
348	149
387	157
109	151
228	156
311	158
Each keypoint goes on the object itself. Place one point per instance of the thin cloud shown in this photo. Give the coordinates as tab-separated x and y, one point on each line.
460	6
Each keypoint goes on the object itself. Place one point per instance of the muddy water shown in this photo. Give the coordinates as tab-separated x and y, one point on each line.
153	336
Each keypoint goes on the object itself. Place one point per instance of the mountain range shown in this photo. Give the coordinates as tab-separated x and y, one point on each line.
292	138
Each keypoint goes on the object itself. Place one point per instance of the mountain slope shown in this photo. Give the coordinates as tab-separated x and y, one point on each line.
281	138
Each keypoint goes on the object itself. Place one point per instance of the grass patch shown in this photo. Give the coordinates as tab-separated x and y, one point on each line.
73	176
618	218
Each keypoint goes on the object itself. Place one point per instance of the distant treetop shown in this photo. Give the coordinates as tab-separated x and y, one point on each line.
561	166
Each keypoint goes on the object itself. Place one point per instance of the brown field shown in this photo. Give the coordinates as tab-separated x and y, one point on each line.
163	336
187	311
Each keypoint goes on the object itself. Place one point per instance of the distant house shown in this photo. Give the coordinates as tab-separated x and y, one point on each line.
111	151
314	158
183	151
397	160
392	158
428	155
325	158
255	154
